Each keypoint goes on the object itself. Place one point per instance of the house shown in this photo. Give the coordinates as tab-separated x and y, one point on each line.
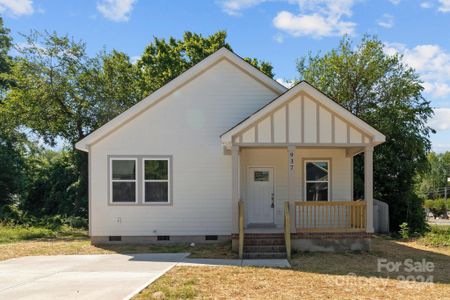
225	152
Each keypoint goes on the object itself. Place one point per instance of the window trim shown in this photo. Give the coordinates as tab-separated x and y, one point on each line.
306	181
111	180
168	180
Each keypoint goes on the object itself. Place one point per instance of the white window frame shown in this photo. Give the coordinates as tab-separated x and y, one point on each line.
306	181
168	180
111	180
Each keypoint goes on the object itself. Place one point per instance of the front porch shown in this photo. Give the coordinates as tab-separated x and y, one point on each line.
292	167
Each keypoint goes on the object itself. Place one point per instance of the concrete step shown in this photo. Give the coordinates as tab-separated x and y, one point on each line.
265	255
262	249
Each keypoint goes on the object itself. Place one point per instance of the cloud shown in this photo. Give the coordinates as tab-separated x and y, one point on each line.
235	7
426	4
444	6
431	61
386	21
395	2
116	10
279	38
317	18
286	83
441	119
17	8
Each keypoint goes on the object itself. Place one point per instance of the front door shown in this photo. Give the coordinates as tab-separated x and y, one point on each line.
260	196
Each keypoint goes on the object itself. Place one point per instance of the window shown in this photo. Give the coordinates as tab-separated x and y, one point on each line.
261	176
317	180
123	180
156	180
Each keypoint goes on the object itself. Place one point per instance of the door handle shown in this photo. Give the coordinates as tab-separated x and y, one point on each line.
273	201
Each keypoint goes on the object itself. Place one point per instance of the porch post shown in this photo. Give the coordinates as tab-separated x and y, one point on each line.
235	187
368	187
292	182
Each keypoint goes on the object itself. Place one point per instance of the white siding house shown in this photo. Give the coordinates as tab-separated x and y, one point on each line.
175	165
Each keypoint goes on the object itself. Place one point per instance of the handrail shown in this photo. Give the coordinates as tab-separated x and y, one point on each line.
287	229
241	228
330	216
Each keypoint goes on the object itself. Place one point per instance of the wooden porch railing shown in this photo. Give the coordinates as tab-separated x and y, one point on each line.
241	228
287	229
330	216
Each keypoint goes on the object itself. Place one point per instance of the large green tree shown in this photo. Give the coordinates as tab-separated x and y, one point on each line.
163	60
12	175
432	181
382	90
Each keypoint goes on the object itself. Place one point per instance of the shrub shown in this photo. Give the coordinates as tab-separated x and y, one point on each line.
404	230
438	207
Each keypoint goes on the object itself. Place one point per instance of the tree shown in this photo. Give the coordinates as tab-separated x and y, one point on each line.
61	92
430	182
164	60
5	59
382	90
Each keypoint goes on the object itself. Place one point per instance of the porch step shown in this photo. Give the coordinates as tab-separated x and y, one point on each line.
264	245
265	255
263	249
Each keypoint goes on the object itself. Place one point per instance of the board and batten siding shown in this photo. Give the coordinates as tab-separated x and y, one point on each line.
302	120
187	125
341	173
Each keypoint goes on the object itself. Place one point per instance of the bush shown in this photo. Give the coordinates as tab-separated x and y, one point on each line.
438	236
12	215
404	231
438	207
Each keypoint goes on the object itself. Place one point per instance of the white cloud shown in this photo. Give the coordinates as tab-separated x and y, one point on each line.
116	10
279	38
317	18
441	119
234	7
386	21
432	63
395	2
426	4
17	7
286	83
444	6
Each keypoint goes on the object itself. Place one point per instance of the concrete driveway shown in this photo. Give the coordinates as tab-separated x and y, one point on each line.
111	276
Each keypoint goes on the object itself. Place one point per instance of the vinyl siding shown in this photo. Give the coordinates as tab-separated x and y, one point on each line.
187	125
341	172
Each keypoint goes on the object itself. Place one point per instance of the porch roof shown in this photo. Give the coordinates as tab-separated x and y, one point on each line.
303	116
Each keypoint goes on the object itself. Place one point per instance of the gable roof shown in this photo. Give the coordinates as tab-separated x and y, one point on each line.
321	98
173	85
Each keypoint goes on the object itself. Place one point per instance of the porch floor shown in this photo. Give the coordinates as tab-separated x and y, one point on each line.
262	228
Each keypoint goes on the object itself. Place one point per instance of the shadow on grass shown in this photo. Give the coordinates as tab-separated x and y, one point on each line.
366	264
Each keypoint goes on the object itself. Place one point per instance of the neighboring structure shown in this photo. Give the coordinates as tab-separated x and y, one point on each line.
170	167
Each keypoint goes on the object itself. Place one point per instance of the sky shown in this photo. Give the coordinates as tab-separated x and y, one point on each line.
278	31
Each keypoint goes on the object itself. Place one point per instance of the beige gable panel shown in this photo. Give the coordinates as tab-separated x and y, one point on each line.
249	136
295	121
325	126
264	131
310	122
340	131
355	136
279	125
366	139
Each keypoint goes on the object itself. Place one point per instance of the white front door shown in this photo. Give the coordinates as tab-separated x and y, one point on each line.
260	196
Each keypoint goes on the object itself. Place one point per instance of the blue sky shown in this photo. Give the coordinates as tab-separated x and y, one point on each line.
279	31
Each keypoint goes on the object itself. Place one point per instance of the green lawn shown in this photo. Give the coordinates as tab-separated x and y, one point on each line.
439	236
9	234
